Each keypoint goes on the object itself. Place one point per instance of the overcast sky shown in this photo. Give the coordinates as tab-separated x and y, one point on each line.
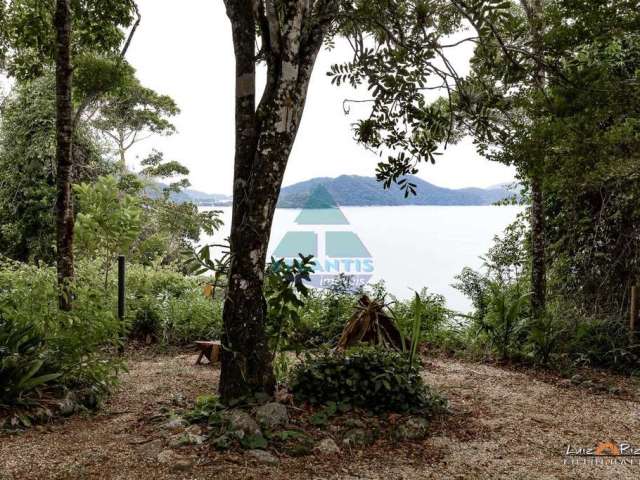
184	49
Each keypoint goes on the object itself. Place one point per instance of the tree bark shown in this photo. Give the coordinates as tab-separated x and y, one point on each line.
264	139
64	134
538	262
534	10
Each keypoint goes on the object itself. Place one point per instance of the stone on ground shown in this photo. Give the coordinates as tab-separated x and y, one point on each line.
358	437
262	456
272	415
412	428
327	446
150	450
241	423
174	461
175	424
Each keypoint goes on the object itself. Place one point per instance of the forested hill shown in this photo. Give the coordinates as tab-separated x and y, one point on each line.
198	197
353	190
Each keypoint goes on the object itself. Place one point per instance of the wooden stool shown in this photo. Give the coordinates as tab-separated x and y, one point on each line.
211	350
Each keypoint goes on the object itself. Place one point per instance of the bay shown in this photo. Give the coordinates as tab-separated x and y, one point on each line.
412	246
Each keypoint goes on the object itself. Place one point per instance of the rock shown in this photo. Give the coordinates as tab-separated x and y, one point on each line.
175	424
358	437
601	387
241	421
182	464
174	461
411	428
167	457
577	379
194	430
223	442
150	450
327	446
272	415
588	384
68	406
186	439
262	456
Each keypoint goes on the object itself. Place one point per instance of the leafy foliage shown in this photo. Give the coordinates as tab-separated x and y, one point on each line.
27	169
65	351
22	367
108	221
400	53
28	34
169	306
375	379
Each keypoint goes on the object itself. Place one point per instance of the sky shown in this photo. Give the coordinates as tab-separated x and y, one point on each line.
184	49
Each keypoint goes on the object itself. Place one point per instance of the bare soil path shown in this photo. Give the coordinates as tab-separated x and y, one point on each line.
504	425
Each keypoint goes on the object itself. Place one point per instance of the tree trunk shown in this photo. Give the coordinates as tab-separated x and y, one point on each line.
245	365
264	138
64	134
534	10
538	264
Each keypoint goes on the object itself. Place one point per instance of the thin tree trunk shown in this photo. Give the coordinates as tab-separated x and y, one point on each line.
64	134
538	263
534	10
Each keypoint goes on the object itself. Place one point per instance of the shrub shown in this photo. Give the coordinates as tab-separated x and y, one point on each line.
23	372
503	326
327	311
68	350
438	325
170	306
367	377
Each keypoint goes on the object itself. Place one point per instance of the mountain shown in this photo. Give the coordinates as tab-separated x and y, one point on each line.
202	199
353	190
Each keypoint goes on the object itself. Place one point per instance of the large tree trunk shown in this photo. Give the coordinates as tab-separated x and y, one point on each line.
64	134
264	138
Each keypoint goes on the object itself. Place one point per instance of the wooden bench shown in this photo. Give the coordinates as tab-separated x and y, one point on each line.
211	350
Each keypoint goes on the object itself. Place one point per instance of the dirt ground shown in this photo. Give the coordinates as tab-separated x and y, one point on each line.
504	424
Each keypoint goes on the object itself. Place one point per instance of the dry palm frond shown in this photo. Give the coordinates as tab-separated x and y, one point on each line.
371	324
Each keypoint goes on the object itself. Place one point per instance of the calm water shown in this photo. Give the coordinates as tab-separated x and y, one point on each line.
414	246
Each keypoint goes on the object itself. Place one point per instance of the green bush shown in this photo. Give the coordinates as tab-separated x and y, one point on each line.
170	306
43	341
23	372
438	325
370	378
327	311
568	337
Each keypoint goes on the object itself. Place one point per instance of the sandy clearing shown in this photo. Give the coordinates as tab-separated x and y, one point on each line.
504	425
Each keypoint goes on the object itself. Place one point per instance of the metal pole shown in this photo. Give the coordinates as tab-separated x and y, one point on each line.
121	287
121	290
633	313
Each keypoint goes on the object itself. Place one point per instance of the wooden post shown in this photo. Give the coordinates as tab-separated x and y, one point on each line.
121	305
633	313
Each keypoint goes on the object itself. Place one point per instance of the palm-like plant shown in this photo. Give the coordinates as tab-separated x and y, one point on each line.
505	316
22	368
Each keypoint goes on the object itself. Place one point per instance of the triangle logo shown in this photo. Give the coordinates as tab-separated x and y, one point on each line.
322	230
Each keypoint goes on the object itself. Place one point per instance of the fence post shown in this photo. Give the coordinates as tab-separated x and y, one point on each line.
121	305
633	313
